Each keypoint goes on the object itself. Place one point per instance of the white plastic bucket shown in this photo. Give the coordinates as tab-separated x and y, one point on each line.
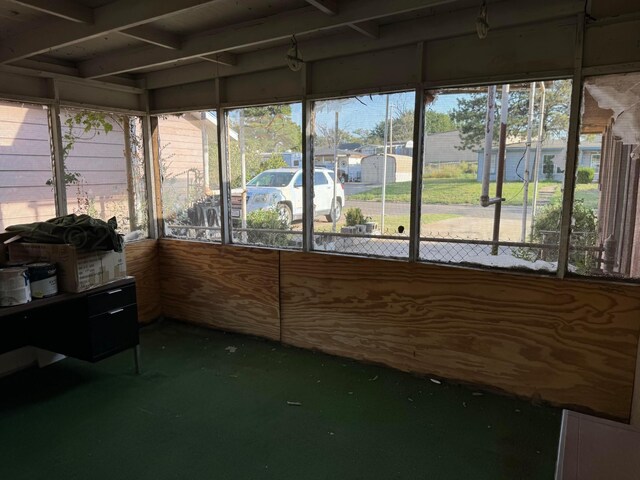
14	286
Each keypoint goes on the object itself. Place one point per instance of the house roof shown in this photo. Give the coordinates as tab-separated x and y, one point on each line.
555	143
341	152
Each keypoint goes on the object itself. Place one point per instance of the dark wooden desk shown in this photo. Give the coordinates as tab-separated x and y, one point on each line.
90	325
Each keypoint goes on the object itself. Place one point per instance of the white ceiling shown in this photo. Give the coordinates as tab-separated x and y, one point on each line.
105	39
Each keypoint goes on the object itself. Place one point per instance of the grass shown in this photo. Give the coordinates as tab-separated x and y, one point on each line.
451	191
588	193
391	222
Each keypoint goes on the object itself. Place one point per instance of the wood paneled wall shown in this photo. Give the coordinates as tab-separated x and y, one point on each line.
569	342
228	288
142	263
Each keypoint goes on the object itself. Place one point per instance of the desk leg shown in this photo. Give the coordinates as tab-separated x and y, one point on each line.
136	357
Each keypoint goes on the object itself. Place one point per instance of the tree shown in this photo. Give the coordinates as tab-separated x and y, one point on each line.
265	130
324	136
435	122
402	128
438	122
470	113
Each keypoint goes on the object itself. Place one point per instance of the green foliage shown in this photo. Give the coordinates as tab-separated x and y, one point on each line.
274	161
547	168
438	122
471	110
585	175
457	170
354	216
89	125
547	230
464	190
266	129
271	220
402	128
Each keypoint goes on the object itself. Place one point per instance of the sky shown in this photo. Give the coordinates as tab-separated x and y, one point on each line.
353	115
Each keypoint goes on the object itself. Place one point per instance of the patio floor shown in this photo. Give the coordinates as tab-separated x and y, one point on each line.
210	405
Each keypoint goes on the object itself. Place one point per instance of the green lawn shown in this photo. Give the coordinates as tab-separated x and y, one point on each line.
452	191
391	222
588	193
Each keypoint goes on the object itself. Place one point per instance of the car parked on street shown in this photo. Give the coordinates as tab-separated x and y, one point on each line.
281	188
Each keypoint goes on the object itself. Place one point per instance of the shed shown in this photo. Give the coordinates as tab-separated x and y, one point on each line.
398	169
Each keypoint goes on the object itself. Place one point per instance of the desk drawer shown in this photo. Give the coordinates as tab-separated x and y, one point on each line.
110	299
113	332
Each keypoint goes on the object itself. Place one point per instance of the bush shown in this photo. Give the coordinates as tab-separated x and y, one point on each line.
451	170
354	216
585	175
267	219
584	233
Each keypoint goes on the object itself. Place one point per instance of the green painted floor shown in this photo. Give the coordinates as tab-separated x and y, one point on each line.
200	411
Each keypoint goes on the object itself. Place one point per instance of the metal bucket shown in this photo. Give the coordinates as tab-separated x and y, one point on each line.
43	279
14	286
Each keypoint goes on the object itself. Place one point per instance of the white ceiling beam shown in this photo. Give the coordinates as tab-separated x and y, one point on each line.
34	68
154	36
224	58
115	16
305	20
453	24
67	9
329	7
369	29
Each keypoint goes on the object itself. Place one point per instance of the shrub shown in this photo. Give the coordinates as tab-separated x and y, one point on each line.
547	230
451	170
267	219
354	216
585	175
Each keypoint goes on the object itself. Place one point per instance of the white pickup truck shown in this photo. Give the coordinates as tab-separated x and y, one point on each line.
282	188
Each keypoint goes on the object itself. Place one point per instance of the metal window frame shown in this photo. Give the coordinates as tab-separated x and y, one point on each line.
572	152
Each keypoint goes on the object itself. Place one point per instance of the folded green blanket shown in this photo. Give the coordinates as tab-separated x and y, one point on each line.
82	231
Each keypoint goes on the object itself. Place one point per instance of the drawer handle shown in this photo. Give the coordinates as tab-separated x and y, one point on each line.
117	310
111	292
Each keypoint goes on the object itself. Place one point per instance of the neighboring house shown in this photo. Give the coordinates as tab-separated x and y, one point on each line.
348	161
398	169
184	153
446	147
25	169
552	160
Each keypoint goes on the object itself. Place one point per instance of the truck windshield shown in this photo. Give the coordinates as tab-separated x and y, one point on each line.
271	179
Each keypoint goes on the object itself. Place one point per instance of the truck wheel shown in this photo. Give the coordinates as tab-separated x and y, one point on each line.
285	213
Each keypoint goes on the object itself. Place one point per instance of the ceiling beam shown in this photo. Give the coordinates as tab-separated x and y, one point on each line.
224	58
67	9
408	32
154	36
369	29
282	26
330	7
115	16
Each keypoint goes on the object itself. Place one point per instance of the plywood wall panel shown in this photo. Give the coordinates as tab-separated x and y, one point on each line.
229	288
143	264
569	342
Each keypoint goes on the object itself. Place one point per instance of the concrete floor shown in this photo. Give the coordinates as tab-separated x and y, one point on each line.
210	405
